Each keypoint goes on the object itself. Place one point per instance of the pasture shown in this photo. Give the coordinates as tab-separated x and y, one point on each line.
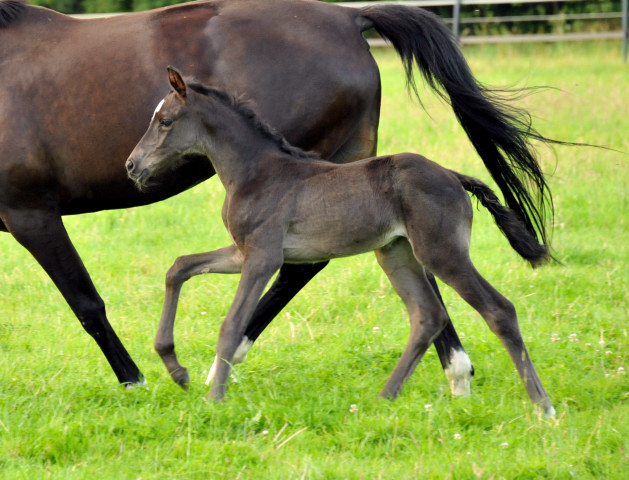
304	404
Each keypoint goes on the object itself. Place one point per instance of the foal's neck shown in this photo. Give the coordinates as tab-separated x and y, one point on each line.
238	151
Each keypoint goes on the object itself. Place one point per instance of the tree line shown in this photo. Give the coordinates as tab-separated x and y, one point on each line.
467	11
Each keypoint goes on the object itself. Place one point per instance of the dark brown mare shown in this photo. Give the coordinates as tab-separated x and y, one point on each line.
69	120
414	213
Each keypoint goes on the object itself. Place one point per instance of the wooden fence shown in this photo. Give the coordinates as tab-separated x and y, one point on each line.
457	22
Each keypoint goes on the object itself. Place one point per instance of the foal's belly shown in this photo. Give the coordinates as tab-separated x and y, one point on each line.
338	242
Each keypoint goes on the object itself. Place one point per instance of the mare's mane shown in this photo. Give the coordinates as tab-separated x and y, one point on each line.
11	10
244	109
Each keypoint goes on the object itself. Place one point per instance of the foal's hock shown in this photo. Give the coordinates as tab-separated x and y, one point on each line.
415	215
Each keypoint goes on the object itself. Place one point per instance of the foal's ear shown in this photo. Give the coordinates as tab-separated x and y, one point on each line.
176	81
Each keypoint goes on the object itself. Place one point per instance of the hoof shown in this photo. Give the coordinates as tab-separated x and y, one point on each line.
141	382
459	374
549	410
181	377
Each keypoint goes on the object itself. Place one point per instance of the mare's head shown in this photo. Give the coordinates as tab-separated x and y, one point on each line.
173	135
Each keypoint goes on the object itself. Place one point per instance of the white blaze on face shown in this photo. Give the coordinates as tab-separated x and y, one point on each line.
159	106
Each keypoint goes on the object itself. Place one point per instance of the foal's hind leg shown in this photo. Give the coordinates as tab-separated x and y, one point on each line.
426	313
224	260
500	315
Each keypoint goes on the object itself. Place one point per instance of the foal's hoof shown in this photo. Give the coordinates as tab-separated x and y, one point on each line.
181	377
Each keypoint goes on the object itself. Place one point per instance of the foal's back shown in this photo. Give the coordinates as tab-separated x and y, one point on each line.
342	210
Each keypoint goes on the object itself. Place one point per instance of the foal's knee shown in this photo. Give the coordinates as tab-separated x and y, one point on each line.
440	320
432	321
502	319
176	273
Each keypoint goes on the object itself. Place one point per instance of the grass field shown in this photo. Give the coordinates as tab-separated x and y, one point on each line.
305	403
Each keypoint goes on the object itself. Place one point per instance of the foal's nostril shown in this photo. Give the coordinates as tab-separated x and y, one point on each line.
130	166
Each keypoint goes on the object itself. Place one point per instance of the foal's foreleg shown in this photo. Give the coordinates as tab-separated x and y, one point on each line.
426	313
257	270
224	260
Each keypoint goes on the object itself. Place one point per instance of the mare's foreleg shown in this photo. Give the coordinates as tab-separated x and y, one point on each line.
43	234
257	269
224	260
426	314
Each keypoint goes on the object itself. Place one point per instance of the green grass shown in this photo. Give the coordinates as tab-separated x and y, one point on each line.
63	416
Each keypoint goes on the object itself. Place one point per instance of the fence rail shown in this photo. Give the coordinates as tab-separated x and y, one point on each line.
456	21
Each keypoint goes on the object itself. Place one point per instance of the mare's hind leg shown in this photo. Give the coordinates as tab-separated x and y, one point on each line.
454	359
42	233
290	280
224	260
426	313
500	315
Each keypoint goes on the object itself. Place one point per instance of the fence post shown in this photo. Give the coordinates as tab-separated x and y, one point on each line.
456	18
625	29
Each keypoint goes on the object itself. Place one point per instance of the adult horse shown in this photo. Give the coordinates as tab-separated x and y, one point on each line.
68	123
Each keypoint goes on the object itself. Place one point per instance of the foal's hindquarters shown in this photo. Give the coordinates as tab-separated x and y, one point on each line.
438	239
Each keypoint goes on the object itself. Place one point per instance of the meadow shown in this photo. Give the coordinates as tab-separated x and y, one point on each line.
304	405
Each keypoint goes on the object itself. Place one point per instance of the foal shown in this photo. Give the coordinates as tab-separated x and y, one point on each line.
285	205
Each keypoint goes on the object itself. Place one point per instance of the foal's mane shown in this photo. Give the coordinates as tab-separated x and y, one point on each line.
11	10
244	109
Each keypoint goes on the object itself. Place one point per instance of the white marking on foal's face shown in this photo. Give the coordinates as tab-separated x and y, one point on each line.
459	373
157	109
239	356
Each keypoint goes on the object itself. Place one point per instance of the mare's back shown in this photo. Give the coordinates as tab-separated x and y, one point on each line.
77	95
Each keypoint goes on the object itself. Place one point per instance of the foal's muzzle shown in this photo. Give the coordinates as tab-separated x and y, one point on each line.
130	165
138	176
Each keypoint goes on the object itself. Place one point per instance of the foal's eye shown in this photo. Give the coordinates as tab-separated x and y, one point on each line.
165	123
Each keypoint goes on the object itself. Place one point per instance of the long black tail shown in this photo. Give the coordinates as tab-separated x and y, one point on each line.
508	222
499	132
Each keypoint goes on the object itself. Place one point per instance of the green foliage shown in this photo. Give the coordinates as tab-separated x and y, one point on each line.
62	416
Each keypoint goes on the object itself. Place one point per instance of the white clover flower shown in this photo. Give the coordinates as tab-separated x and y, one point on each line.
353	408
457	436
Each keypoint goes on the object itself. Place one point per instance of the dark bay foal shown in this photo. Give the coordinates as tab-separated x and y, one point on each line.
415	214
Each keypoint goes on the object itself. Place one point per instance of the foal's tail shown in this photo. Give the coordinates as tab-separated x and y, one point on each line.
508	222
500	132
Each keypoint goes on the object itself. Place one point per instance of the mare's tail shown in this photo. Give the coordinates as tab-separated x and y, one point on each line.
508	222
499	132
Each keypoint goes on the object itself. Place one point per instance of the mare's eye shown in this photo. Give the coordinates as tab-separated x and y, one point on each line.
165	123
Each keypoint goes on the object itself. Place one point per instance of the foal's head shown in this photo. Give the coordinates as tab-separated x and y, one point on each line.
195	120
174	134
